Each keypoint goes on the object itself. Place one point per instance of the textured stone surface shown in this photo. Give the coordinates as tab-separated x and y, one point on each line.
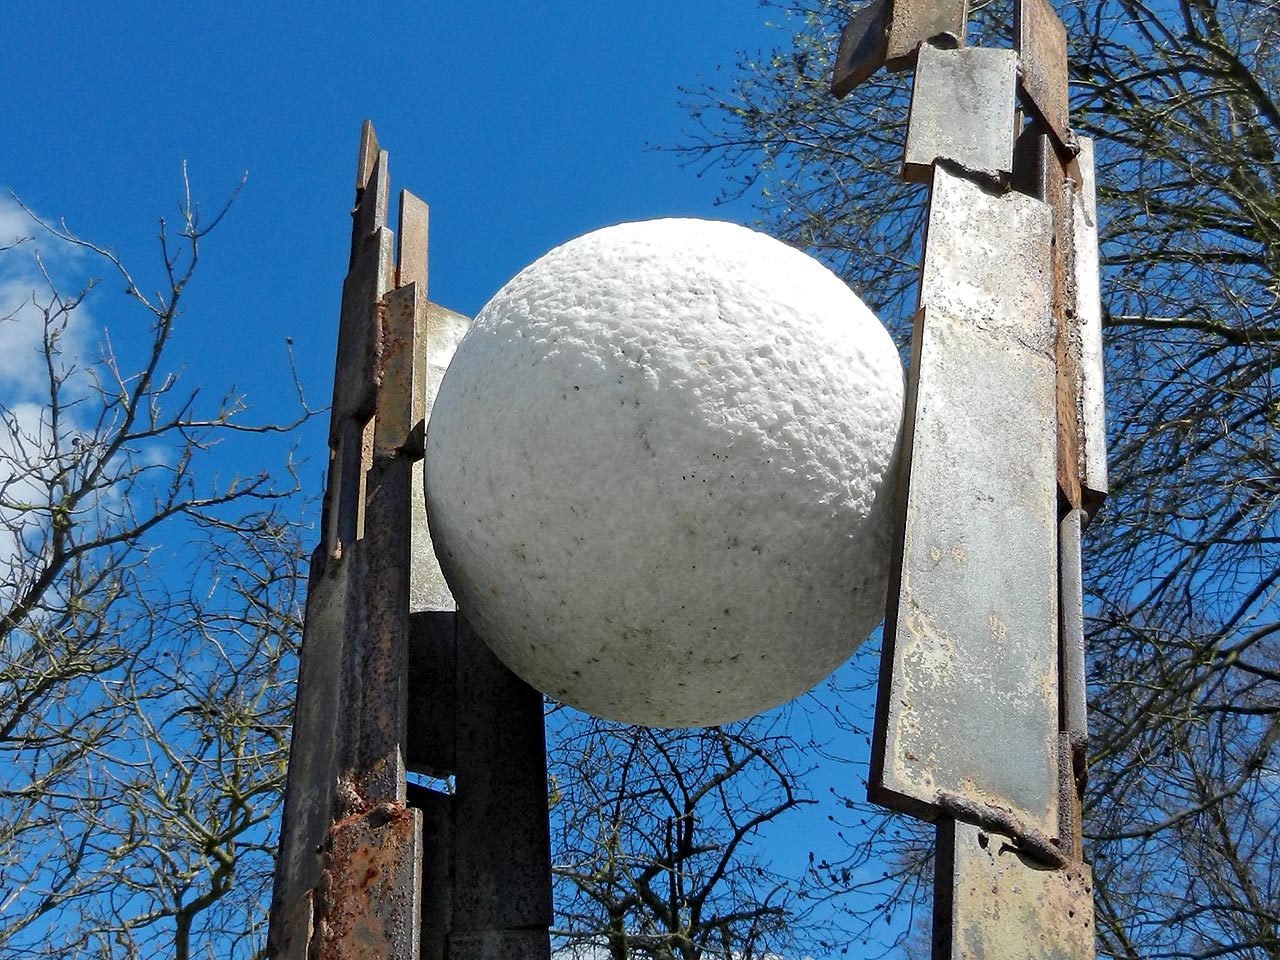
659	472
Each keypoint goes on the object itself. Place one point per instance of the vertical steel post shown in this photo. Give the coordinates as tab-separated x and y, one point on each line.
980	723
387	677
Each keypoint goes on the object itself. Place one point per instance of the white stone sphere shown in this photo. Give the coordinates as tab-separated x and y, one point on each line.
659	472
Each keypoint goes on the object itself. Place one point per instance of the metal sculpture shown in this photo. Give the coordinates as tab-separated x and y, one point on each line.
980	722
359	841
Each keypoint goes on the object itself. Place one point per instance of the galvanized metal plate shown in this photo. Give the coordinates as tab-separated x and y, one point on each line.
968	695
914	22
863	43
1041	42
1089	320
990	902
427	589
987	261
963	111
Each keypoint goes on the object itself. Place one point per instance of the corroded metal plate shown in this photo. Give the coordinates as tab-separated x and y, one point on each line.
1041	42
862	47
915	21
991	902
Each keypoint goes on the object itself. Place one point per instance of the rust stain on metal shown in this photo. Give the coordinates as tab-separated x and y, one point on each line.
914	22
401	400
1041	42
992	903
370	896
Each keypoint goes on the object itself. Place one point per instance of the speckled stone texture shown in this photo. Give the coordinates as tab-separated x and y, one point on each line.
659	472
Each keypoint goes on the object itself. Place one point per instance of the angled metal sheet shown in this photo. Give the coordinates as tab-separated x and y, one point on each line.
990	902
968	695
863	44
1041	42
1088	310
914	22
963	111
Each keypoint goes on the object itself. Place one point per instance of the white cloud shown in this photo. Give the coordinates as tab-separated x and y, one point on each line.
25	438
24	292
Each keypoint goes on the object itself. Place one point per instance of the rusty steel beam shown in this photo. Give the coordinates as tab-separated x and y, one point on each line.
332	600
1041	42
370	900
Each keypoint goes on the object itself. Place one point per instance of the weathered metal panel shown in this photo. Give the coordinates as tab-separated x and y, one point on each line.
501	840
427	589
371	898
1089	320
313	763
987	261
437	889
500	945
962	112
863	45
968	698
991	903
402	392
354	391
412	243
1041	42
1071	631
432	693
383	661
368	154
370	214
915	21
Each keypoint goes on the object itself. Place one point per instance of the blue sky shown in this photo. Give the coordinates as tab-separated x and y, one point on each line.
522	125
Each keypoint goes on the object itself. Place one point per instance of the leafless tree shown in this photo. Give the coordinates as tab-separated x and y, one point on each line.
1183	816
149	611
653	840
